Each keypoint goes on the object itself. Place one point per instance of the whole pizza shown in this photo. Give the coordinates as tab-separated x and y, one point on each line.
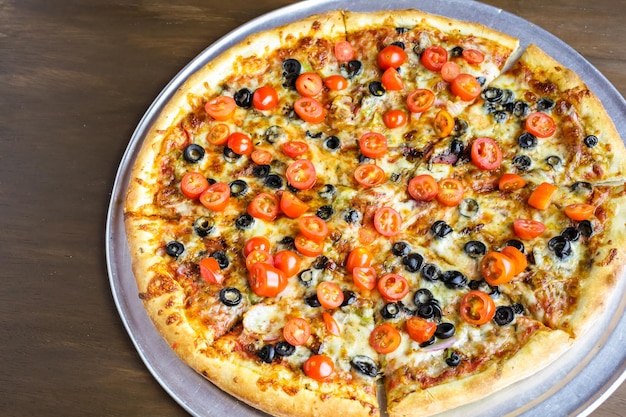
390	203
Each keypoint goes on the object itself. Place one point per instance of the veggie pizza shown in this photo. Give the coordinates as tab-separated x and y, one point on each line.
390	201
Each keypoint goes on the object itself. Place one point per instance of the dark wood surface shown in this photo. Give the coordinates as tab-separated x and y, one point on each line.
75	79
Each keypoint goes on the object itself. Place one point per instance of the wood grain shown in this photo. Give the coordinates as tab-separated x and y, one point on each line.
75	79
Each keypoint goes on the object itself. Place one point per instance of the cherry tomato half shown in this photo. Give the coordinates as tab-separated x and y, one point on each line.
391	56
443	123
216	197
450	192
364	277
291	205
295	148
359	257
540	125
193	184
261	157
218	135
385	338
450	70
287	261
256	243
369	175
373	144
265	98
423	187
344	51
266	280
240	143
420	100
420	330
210	271
308	247
221	108
329	294
466	87
309	84
391	80
579	212
473	56
301	174
393	287
486	154
309	110
313	228
496	268
336	82
511	182
434	57
263	206
387	221
319	367
517	257
297	331
331	324
395	118
259	256
527	229
541	197
477	308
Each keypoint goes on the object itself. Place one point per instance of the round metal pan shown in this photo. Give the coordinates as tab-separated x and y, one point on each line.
572	386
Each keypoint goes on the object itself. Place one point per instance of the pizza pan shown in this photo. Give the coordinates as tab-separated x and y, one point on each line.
572	386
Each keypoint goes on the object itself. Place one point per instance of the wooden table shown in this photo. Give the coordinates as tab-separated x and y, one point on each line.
75	79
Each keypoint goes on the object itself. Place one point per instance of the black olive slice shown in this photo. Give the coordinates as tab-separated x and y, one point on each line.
243	98
273	134
292	66
261	171
554	161
571	233
527	140
287	242
440	229
422	296
456	52
429	342
413	262
325	212
312	301
328	192
581	188
430	310
520	109
238	188
591	141
561	247
266	353
306	277
365	365
352	216
284	349
481	81
229	155
504	315
475	248
174	249
230	296
460	128
517	244
401	248
468	208
492	94
244	222
518	308
456	147
390	311
452	357
400	31
320	262
454	279
522	162
352	68
332	143
585	228
445	330
431	272
315	135
376	89
203	226
221	258
349	297
273	181
500	116
399	44
193	153
545	104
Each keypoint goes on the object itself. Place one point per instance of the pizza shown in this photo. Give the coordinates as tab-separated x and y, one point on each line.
390	202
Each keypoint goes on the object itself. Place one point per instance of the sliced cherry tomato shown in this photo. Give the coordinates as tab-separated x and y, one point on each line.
256	243
221	108
450	70
385	338
367	234
331	324
434	57
395	118
579	212
313	228
264	206
517	257
364	277
265	98
336	82
216	197
287	261
259	256
309	84
444	123
344	51
295	148
359	257
391	80
240	143
266	280
387	221
477	307
466	87
420	330
496	268
486	154
473	56
420	100
210	271
218	135
450	192
373	145
319	367
540	125
391	56
193	184
308	247
511	182
423	187
528	229
309	110
297	331
291	205
393	287
541	197
261	157
369	175
301	174
329	294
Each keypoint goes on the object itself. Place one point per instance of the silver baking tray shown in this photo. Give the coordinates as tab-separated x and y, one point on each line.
573	386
